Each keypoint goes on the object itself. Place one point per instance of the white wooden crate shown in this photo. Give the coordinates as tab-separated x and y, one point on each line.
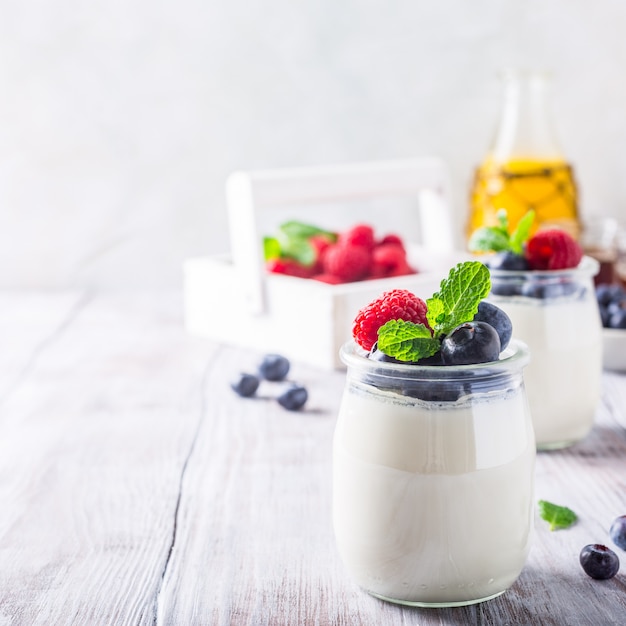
233	299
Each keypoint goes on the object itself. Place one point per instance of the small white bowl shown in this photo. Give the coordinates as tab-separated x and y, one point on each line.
614	346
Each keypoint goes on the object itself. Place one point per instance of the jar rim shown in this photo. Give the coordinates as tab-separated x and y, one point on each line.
512	359
588	266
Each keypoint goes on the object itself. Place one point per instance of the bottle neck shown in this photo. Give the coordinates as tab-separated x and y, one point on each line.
526	131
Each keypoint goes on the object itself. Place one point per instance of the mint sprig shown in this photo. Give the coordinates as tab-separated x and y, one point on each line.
458	297
292	241
455	303
498	239
521	233
557	516
403	340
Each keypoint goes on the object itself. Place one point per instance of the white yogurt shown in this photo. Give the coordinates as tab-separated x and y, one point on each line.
563	377
564	335
433	502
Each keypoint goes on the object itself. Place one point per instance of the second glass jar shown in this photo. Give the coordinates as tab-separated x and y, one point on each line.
556	314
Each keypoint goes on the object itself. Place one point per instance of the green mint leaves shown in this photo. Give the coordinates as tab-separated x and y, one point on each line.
292	241
522	232
406	341
458	297
456	302
556	516
498	239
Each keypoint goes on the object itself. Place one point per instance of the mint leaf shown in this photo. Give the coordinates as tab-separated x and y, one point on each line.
557	516
299	230
435	312
458	297
271	248
488	239
498	239
292	241
300	250
503	219
406	341
522	232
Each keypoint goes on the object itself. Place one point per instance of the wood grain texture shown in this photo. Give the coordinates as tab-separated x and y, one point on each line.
92	445
136	488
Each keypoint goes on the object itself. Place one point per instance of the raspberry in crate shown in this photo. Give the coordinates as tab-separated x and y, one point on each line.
296	292
309	251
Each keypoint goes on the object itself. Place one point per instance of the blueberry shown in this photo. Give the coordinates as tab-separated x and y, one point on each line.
615	306
435	359
434	391
609	293
617	532
507	260
618	319
472	342
544	291
245	385
274	367
496	317
598	561
293	398
505	287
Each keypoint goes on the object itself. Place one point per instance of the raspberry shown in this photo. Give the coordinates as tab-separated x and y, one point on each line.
331	279
289	267
389	259
397	304
359	235
404	269
552	249
346	262
391	238
320	244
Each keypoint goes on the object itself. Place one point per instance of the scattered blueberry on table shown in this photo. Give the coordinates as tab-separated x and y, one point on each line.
598	561
273	369
245	385
293	398
617	532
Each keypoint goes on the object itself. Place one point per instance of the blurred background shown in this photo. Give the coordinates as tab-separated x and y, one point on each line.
121	119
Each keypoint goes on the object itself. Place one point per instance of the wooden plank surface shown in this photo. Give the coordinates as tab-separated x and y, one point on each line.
136	488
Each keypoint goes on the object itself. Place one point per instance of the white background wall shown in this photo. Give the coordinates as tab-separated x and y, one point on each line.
120	119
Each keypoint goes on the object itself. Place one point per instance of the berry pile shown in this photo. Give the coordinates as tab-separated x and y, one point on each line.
273	368
612	302
356	254
400	327
552	249
547	250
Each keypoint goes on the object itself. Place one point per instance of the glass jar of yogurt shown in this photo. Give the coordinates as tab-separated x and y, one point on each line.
433	474
556	314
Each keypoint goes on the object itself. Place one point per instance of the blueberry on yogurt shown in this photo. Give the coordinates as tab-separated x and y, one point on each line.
471	342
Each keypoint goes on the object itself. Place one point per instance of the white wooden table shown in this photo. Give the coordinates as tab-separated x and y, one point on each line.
136	488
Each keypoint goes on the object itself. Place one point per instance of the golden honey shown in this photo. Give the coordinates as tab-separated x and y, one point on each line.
546	186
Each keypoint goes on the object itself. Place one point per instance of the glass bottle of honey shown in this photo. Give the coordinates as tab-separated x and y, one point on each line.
525	168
